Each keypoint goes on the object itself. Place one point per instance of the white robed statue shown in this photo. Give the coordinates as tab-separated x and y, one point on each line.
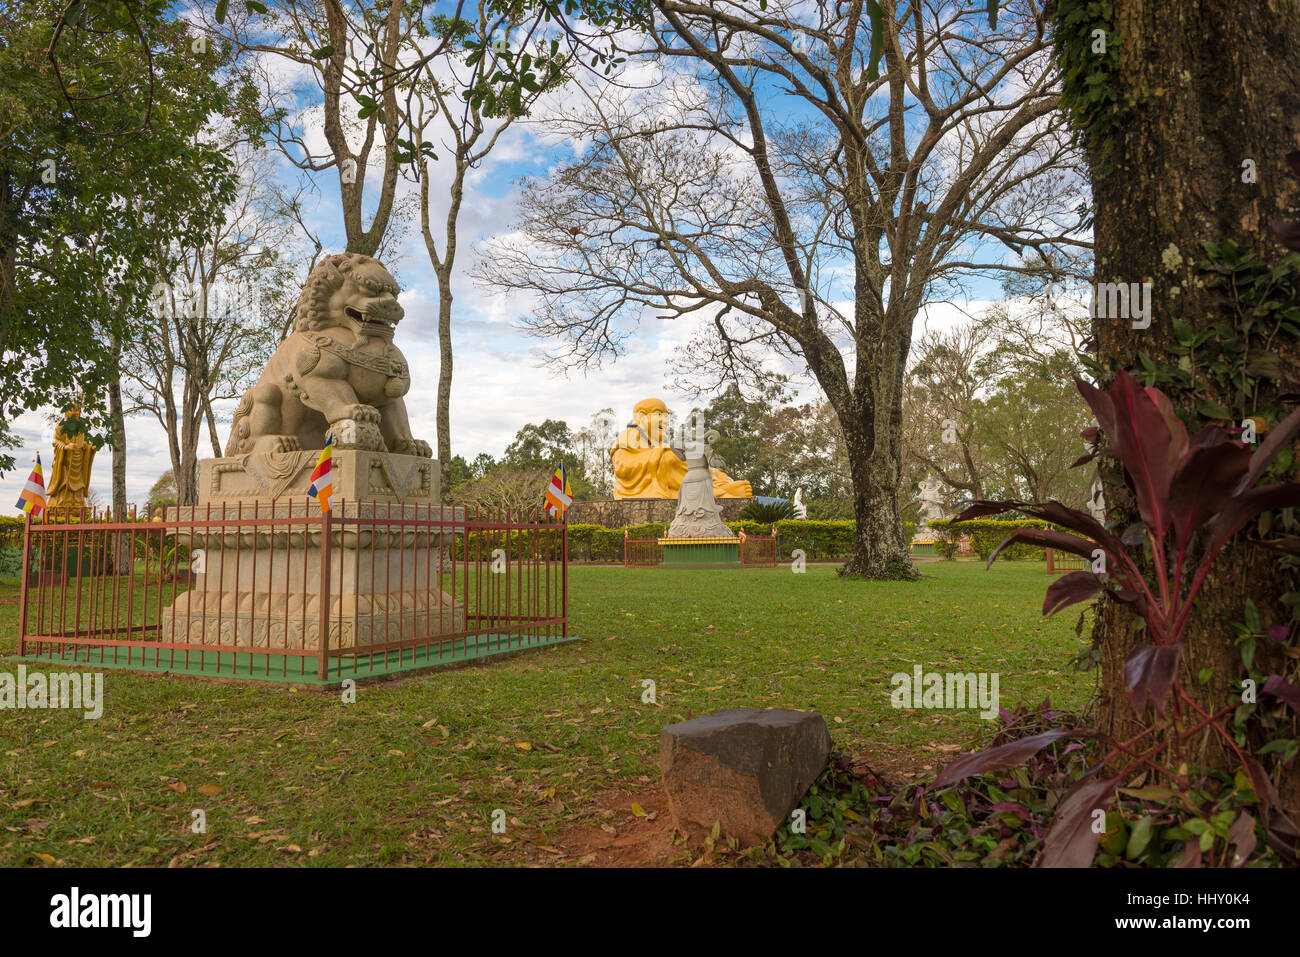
698	513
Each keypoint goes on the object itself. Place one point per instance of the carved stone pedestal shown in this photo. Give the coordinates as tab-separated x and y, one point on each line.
259	575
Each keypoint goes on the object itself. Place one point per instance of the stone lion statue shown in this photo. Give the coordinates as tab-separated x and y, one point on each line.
338	370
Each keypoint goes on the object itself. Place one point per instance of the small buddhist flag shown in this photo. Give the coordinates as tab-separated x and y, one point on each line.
743	536
32	498
322	481
558	494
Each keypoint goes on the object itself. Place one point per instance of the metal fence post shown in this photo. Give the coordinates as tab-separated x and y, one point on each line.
323	640
564	572
22	585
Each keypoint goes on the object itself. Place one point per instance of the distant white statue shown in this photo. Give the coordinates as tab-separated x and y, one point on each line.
1097	500
800	510
931	499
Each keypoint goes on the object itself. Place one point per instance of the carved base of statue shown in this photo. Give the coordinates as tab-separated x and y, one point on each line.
260	585
698	513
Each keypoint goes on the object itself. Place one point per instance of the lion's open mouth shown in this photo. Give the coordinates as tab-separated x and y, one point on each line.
372	324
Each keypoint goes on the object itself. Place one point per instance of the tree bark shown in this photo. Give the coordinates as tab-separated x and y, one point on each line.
444	378
1203	85
119	442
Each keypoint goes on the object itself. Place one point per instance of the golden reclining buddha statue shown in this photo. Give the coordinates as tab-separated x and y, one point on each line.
645	466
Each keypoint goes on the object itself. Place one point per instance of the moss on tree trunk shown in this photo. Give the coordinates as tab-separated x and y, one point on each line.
1201	87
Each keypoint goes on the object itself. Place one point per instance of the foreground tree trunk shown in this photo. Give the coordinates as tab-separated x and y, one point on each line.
1201	87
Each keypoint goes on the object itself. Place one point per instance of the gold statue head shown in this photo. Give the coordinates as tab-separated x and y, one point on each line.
652	415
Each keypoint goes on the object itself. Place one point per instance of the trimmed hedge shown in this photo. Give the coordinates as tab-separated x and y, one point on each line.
11	531
819	540
986	534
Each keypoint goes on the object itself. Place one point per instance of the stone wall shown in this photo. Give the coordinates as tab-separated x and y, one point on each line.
637	511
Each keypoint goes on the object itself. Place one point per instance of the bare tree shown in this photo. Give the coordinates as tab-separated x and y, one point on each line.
941	408
468	131
804	205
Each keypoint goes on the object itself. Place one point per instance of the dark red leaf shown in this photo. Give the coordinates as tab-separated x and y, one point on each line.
1070	590
1283	836
1003	756
1242	838
1177	431
1279	687
1210	435
981	507
1244	507
1072	518
1261	783
1191	856
1202	486
1071	841
1049	539
1142	441
1149	673
1054	512
1279	437
1103	408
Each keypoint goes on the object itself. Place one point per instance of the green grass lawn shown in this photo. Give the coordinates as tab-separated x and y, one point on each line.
411	772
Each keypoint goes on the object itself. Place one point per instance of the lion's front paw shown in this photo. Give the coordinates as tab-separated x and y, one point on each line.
357	434
416	447
364	413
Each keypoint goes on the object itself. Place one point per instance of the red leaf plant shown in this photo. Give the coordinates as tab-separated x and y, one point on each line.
1192	495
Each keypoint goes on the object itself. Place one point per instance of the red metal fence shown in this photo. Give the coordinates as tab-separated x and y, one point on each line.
752	551
281	589
1059	562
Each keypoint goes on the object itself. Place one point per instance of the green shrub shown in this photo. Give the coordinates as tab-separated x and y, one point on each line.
829	539
767	512
11	531
986	534
11	561
596	543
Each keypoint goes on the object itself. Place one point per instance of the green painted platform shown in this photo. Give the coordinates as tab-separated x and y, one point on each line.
292	668
700	553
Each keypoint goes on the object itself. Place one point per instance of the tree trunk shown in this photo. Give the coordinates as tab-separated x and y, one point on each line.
191	425
212	426
1201	87
875	464
444	379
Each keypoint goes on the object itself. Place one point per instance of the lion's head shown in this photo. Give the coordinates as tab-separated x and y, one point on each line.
352	290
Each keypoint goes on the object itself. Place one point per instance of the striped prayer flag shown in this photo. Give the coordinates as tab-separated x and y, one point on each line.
32	498
558	494
322	479
743	536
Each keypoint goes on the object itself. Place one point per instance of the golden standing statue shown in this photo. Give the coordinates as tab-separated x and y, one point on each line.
70	476
645	466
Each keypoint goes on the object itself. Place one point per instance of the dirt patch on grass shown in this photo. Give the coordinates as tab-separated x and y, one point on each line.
637	827
636	830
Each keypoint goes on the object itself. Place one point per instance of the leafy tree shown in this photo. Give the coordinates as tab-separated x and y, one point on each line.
1025	424
81	210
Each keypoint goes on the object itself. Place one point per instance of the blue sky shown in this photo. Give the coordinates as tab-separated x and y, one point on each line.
499	384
